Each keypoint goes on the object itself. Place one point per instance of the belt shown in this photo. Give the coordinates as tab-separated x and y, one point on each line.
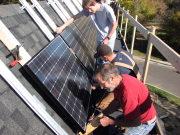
150	121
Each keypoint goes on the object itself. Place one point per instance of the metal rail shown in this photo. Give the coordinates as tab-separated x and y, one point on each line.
39	22
172	56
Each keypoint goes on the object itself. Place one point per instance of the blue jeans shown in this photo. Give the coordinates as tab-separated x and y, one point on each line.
110	44
143	129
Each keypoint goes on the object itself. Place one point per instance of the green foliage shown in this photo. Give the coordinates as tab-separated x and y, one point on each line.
169	97
128	5
149	9
171	25
145	9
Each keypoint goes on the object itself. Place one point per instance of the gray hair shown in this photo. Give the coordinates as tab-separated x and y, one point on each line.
106	71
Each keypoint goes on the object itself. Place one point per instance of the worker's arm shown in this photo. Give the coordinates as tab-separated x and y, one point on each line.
105	121
68	22
114	26
113	106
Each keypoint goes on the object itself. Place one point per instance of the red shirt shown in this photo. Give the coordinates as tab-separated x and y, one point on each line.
134	99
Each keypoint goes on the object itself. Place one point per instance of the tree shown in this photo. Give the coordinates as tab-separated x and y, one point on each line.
147	10
171	25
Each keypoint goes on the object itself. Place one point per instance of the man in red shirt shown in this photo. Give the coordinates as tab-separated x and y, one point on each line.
131	95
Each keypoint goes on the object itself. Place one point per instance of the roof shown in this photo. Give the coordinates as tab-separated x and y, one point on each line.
16	117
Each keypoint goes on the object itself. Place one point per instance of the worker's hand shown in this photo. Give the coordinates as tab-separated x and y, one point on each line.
95	85
106	41
105	121
91	118
59	30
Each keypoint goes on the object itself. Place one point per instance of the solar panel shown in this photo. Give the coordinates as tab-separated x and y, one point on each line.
88	29
83	50
64	79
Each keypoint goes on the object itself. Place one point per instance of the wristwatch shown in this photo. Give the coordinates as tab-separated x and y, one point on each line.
108	38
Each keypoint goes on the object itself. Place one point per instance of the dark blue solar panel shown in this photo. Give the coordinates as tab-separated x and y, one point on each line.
82	49
65	80
88	30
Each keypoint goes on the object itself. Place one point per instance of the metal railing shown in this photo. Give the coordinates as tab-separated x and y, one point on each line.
172	56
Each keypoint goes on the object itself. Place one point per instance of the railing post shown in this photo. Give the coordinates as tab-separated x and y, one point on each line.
148	55
117	17
121	21
133	36
125	31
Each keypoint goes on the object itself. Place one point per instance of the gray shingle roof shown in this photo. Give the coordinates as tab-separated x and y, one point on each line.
15	116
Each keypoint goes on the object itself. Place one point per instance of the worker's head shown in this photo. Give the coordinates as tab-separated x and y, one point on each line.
90	5
106	75
103	52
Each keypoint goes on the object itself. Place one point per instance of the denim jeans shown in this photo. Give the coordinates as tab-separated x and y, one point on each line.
143	129
110	44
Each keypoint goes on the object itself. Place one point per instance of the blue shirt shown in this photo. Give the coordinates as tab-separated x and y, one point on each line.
123	59
102	19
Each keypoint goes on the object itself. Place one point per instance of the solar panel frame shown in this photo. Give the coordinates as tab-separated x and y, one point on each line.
50	78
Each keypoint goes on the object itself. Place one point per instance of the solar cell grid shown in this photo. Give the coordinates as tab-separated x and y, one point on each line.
88	30
79	45
65	78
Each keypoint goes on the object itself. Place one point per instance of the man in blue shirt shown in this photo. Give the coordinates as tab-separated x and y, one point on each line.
103	17
122	59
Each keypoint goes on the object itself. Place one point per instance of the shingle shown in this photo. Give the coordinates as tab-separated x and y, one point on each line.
25	17
17	31
4	111
13	21
7	55
61	123
27	44
17	8
25	28
18	18
11	10
4	59
7	22
1	123
1	44
35	49
18	117
38	46
37	125
5	131
26	111
3	85
30	51
47	131
15	70
31	131
14	127
39	34
34	38
3	11
59	22
10	99
32	25
44	42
